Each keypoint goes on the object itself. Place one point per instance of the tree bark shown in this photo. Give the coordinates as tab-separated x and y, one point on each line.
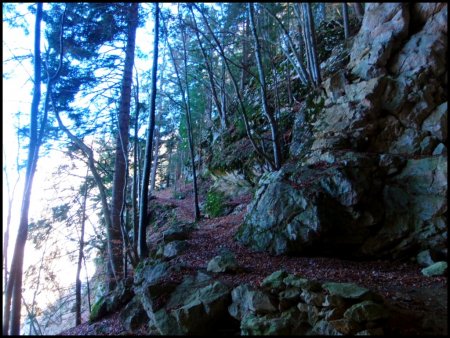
309	35
345	18
8	220
245	56
257	149
155	161
143	205
80	255
359	10
321	13
12	307
121	158
136	186
220	108
189	127
272	121
297	63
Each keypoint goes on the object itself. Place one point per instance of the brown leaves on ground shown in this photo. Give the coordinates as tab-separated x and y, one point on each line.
402	284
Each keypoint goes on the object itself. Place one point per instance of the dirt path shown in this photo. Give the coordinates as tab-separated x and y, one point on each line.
420	301
402	284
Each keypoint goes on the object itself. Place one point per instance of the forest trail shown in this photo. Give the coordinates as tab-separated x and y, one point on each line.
401	284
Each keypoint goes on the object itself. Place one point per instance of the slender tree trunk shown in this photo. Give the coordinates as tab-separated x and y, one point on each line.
8	221
121	158
87	285
320	14
157	137
258	150
102	190
80	255
185	98
155	161
263	87
189	127
143	205
223	96
136	187
297	63
36	287
359	10
209	70
309	36
345	17
313	43
12	305
245	58
33	321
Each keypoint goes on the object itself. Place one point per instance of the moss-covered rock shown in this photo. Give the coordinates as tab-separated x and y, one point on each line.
99	310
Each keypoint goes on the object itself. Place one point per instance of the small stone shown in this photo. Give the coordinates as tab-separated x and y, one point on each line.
424	258
440	149
366	311
275	280
437	269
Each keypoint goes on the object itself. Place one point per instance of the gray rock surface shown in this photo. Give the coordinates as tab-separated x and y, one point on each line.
368	167
436	269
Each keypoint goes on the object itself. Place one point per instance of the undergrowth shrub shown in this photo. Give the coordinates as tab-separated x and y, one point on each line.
215	203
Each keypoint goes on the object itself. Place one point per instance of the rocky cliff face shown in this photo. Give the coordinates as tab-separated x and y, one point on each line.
368	169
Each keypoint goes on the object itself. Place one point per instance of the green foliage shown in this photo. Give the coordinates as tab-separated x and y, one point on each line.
60	212
139	267
215	203
314	104
329	34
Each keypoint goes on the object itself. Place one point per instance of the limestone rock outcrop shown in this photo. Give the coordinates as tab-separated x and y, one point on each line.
367	175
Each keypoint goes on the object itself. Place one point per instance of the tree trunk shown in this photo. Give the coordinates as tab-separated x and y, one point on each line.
262	80
297	63
80	256
359	10
136	187
220	107
257	149
121	158
11	314
345	17
309	35
321	12
245	58
102	190
8	221
155	161
185	98
143	205
189	127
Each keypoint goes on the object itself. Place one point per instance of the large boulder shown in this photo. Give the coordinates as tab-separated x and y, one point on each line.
415	209
368	158
311	210
133	315
153	282
113	300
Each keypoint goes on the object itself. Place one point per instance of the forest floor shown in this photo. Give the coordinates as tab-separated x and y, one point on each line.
421	302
